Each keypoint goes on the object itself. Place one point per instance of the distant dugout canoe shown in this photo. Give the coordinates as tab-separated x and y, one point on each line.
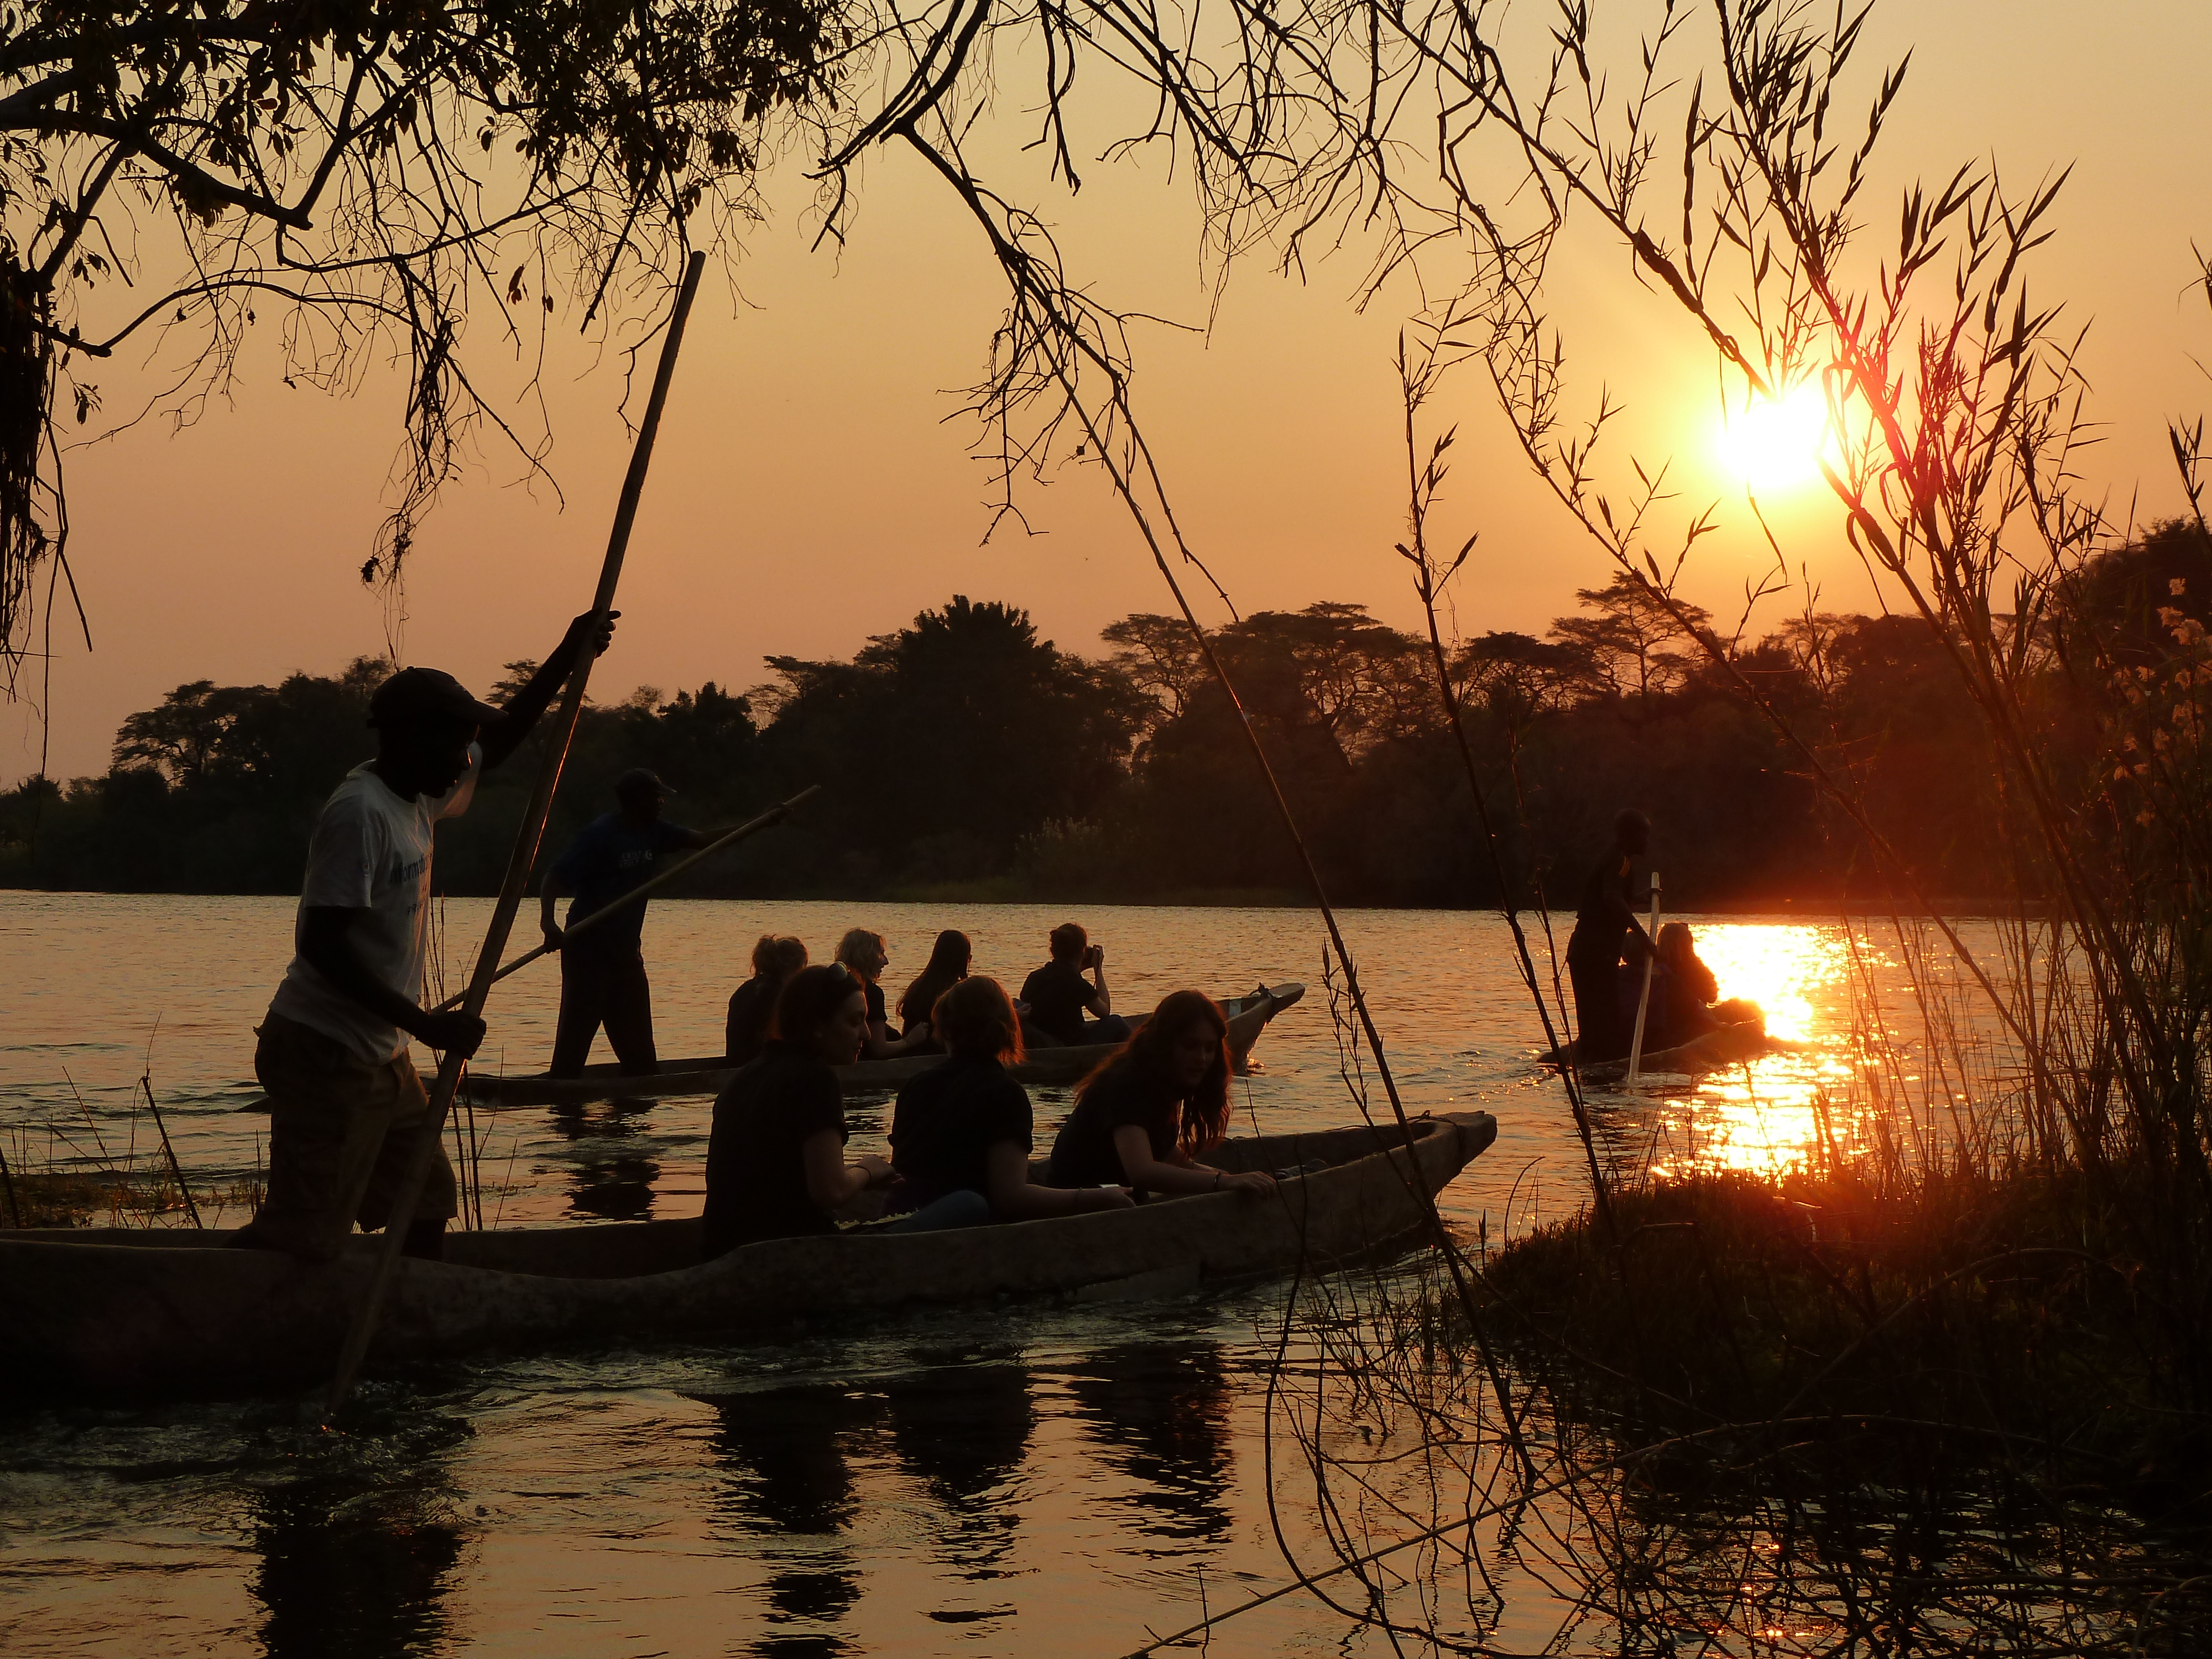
706	1075
1729	1045
115	1311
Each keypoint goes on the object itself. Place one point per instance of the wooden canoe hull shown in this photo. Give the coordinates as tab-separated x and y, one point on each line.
131	1317
1729	1045
707	1074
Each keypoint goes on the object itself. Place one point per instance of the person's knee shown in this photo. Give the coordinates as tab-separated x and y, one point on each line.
439	1199
965	1208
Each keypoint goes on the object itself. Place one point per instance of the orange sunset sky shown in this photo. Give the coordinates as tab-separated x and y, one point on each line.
815	485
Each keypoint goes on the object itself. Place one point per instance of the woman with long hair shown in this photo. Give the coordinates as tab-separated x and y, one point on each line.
863	952
1684	995
964	1128
1684	990
775	1158
776	958
1142	1118
948	966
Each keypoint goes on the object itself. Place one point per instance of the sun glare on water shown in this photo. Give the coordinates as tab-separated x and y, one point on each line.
1764	1118
1774	443
1781	967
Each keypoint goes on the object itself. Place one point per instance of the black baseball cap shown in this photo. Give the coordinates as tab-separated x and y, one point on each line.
414	695
639	782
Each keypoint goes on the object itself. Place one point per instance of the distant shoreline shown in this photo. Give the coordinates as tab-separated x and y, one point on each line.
1224	898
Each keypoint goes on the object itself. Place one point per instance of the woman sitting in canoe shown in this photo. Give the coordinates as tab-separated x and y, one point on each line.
775	1158
862	950
776	958
1141	1118
965	1126
948	967
1683	992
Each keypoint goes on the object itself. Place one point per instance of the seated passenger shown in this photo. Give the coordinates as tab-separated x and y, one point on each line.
776	958
775	1156
864	953
1687	1010
1683	987
1142	1116
948	966
1056	996
964	1127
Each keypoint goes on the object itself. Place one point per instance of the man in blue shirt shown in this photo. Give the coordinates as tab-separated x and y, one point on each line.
603	969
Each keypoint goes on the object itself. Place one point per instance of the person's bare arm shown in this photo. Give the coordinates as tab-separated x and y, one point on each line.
1140	1168
502	737
880	1044
831	1182
326	940
1008	1167
1102	1003
554	889
1624	914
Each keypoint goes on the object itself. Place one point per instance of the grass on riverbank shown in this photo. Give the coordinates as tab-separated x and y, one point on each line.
111	1198
1822	1311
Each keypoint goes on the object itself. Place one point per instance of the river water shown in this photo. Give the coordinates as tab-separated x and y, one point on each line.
1030	1479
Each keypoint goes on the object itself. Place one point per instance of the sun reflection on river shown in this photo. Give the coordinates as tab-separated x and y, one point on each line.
1767	1116
1764	1118
1786	968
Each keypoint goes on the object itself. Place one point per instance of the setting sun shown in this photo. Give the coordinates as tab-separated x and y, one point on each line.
1774	443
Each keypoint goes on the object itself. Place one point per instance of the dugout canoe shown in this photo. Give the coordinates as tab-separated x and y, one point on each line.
115	1311
706	1075
1724	1046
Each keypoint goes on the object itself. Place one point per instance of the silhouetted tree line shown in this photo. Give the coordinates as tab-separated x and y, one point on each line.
965	754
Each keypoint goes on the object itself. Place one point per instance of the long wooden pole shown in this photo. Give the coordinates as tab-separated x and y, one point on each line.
775	815
524	854
1643	1001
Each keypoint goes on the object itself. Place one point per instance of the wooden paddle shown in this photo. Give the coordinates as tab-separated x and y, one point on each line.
1643	1001
524	854
775	815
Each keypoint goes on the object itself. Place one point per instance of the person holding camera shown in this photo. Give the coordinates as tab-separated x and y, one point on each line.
1057	996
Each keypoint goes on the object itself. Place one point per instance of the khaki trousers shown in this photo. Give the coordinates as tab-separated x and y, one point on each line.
342	1131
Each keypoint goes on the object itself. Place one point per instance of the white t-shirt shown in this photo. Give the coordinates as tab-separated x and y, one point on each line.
371	851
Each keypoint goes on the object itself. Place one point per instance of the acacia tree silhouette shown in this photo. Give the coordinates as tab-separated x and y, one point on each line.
373	175
364	171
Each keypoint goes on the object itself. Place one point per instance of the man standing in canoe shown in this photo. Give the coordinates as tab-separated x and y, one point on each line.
346	1105
1605	924
603	969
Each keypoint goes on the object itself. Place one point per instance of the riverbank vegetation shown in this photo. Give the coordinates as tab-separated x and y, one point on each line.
1941	1382
961	754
